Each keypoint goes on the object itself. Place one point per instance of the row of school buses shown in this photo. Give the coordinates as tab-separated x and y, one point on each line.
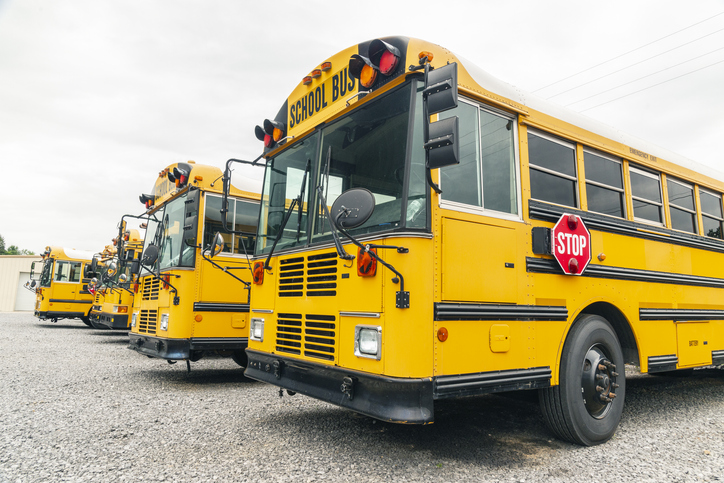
178	314
424	232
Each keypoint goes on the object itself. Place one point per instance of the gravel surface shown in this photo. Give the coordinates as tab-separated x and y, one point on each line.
76	405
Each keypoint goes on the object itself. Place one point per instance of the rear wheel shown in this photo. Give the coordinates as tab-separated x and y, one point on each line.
585	408
240	358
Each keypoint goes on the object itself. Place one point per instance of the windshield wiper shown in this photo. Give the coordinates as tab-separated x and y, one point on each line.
320	190
296	201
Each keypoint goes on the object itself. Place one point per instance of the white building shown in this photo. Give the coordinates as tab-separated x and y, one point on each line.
14	272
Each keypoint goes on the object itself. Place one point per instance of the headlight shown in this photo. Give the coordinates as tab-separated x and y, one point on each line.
368	341
256	329
164	321
133	319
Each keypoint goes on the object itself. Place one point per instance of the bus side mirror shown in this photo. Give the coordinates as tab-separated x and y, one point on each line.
441	94
352	208
191	219
150	255
32	284
216	246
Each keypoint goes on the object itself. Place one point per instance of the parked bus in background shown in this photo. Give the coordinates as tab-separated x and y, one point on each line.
97	267
62	290
429	232
116	280
186	304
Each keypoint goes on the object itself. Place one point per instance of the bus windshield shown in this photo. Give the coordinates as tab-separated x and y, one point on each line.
366	149
47	273
173	252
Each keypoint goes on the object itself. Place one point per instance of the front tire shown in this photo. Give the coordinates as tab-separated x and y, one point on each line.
240	358
586	407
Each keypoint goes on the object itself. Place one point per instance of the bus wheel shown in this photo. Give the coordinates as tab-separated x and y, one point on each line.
240	358
585	408
86	321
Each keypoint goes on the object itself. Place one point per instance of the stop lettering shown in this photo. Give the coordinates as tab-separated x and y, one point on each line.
571	242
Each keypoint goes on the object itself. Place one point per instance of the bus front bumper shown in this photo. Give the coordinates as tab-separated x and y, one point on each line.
59	315
116	322
396	400
180	349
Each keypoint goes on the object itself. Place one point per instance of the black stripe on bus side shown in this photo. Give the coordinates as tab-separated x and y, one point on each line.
663	363
220	307
489	382
545	265
680	314
70	301
546	212
448	311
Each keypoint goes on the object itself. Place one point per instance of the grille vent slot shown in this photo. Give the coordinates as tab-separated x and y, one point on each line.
313	335
147	321
314	277
150	288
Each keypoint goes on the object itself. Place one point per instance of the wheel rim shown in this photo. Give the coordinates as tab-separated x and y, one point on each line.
598	382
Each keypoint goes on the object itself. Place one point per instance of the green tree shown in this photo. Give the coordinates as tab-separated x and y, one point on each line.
12	249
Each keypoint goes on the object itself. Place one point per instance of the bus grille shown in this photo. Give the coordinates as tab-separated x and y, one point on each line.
147	321
314	277
312	335
150	288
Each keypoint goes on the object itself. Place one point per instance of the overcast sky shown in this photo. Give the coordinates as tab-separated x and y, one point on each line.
97	96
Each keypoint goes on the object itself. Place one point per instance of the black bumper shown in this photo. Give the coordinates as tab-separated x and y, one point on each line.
59	315
179	349
117	322
391	399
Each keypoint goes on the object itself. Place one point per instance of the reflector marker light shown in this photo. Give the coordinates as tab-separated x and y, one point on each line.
307	80
326	66
366	263
316	73
258	273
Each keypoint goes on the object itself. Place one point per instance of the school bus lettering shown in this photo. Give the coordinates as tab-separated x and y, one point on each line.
319	98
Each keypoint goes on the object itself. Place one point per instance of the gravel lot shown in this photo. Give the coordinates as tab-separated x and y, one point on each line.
76	405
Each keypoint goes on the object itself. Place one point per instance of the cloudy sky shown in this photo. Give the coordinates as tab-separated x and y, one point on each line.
97	96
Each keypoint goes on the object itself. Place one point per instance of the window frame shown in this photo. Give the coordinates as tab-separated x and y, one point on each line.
682	208
709	215
232	214
569	144
481	210
660	204
621	190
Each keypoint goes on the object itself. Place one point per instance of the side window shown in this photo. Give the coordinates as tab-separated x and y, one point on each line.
213	221
681	206
245	220
486	176
461	183
604	184
711	211
67	271
552	169
646	195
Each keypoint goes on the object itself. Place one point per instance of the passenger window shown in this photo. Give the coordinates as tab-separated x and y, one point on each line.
604	184
486	176
552	169
711	211
681	206
646	195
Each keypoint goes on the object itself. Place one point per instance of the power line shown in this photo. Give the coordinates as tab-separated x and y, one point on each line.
655	85
644	77
630	51
635	63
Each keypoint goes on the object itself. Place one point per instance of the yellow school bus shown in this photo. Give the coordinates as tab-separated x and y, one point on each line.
96	270
62	290
115	292
193	267
429	232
